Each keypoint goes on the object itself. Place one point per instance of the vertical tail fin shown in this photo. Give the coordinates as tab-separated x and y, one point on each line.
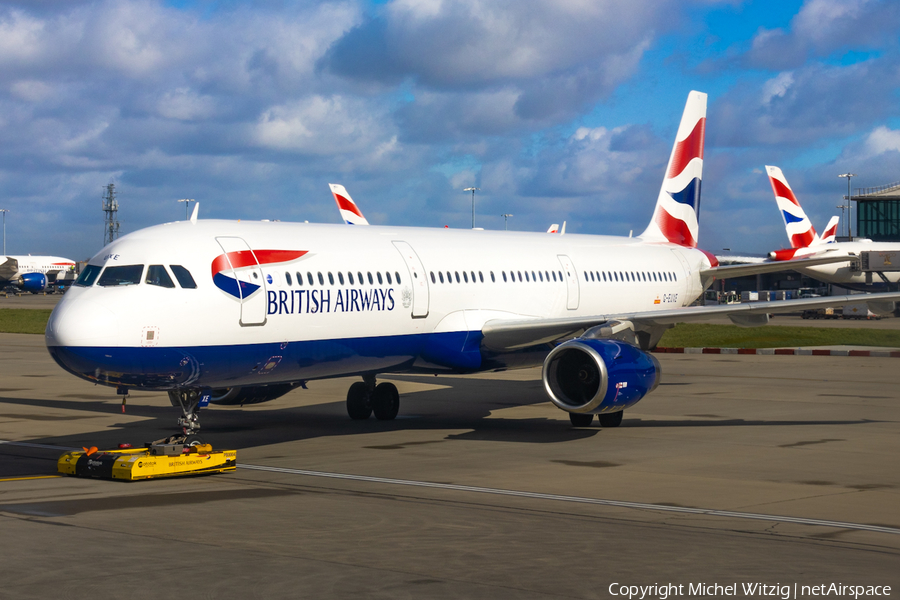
830	232
349	211
800	230
676	218
554	228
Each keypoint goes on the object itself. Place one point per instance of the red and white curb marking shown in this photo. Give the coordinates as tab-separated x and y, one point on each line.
782	351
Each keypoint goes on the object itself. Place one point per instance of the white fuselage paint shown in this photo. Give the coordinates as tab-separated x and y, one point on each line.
650	276
844	273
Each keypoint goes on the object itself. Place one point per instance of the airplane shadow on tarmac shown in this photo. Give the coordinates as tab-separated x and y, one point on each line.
465	407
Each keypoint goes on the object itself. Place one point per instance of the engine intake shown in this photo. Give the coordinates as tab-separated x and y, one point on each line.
255	394
598	376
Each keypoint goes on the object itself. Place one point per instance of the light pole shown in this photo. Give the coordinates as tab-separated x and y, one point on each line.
4	211
506	217
187	203
472	189
849	206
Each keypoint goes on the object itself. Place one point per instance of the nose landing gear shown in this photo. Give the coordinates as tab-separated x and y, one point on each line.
188	401
365	398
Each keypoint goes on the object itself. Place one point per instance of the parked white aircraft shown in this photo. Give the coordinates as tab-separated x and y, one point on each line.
241	312
868	265
33	273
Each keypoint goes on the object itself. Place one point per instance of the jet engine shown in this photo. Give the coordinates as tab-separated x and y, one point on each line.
599	375
31	282
256	394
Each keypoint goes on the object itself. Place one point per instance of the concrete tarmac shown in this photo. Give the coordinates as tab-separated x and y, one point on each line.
784	436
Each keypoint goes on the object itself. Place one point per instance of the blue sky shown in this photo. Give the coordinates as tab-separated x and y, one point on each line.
557	109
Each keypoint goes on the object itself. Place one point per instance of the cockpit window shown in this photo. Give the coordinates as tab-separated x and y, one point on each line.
157	275
89	275
124	275
183	276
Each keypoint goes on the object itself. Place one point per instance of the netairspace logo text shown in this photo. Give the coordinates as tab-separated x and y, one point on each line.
660	591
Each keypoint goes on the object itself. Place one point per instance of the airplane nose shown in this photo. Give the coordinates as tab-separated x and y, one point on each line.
79	322
77	326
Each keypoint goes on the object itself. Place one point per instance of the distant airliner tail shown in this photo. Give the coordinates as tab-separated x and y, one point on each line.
830	233
676	218
800	230
349	211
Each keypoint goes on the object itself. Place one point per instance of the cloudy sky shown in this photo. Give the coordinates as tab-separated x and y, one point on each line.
556	109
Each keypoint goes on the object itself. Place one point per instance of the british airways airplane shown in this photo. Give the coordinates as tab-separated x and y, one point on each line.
33	273
806	244
235	312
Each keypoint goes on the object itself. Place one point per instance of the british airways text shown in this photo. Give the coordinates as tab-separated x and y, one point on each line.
295	302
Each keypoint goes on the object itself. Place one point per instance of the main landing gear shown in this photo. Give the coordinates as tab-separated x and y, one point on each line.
606	420
365	398
188	401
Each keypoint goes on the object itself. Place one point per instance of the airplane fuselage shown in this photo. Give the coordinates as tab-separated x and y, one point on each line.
327	300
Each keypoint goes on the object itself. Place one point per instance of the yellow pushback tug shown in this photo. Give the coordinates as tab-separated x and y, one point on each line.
163	458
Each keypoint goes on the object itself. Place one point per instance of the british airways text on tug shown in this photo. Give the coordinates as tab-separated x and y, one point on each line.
234	312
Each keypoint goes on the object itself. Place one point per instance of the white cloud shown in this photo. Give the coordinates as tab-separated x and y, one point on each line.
882	140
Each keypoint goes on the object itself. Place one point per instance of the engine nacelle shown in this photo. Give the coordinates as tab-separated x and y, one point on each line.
599	376
31	282
256	394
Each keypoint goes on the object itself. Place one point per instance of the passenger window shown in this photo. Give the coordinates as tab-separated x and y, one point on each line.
480	276
388	276
371	281
88	276
287	278
309	278
379	277
432	278
586	276
554	275
449	277
560	276
321	279
397	277
157	275
360	278
520	276
124	275
504	276
341	277
350	277
330	278
493	279
466	276
441	276
526	276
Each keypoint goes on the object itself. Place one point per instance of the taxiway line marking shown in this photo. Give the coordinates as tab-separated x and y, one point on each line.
27	478
582	500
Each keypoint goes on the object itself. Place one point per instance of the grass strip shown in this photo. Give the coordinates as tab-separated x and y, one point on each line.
24	320
701	335
684	335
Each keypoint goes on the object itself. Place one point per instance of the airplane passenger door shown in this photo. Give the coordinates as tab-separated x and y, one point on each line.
243	279
571	281
418	281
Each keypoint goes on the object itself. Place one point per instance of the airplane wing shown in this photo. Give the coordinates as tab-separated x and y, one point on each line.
726	271
513	334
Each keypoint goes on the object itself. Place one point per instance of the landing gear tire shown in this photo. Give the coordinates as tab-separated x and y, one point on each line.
611	419
581	419
359	401
193	440
385	401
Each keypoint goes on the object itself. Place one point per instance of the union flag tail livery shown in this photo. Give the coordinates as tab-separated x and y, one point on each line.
800	230
349	211
830	233
676	218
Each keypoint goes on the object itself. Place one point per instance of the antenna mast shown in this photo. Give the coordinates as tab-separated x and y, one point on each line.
111	208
